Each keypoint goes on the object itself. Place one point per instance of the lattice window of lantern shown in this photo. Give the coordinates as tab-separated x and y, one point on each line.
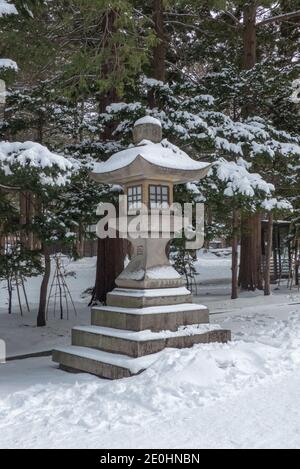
159	196
134	195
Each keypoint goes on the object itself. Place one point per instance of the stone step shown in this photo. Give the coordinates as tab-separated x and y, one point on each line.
154	318
99	363
138	344
140	298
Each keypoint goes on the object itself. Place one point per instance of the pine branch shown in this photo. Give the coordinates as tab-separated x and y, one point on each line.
234	18
274	19
190	27
147	17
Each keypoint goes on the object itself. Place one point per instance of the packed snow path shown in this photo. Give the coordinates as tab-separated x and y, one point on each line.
243	394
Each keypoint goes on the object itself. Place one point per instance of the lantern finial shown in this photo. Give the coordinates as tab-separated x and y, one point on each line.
147	128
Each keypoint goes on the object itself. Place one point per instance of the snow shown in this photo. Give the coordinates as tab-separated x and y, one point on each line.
259	148
164	272
224	144
287	148
193	188
147	120
213	267
272	204
182	331
134	275
153	309
153	293
295	98
239	180
119	107
251	138
162	154
241	395
7	8
8	63
153	82
20	332
34	155
244	394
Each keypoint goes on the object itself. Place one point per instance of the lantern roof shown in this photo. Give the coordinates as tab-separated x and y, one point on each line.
149	160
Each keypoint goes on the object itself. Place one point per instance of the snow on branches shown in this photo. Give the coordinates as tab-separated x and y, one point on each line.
8	64
51	169
187	117
295	98
239	180
7	8
237	149
274	204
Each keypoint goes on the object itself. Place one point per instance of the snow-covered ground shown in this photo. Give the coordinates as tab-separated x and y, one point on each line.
245	394
21	334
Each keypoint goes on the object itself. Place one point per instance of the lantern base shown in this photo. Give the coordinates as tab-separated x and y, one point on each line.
127	335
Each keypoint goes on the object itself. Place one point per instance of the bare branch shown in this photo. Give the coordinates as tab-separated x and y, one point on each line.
234	18
190	27
148	18
8	188
274	19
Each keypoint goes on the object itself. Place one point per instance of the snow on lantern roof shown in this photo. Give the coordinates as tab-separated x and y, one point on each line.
149	159
160	154
147	120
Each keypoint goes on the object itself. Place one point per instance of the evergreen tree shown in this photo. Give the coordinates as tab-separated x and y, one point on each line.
33	169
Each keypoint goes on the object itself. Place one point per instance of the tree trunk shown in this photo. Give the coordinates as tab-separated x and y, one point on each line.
160	50
235	223
267	289
80	241
110	263
297	263
2	109
28	204
111	252
36	209
209	221
250	277
250	41
23	217
251	255
41	319
9	289
250	53
2	101
40	129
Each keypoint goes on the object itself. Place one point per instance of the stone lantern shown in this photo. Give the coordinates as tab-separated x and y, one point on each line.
150	309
